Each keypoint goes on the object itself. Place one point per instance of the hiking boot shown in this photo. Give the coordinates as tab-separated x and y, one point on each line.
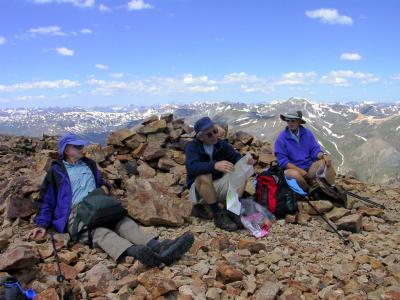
222	221
145	255
200	211
235	218
172	250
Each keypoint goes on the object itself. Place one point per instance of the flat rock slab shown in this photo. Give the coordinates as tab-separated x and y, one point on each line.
351	223
20	257
150	203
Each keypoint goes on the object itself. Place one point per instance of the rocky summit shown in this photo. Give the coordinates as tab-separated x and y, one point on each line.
299	259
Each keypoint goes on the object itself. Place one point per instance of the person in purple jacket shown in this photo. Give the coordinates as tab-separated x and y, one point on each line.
298	152
74	177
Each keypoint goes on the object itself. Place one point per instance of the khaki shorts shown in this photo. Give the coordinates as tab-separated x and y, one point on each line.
237	179
221	187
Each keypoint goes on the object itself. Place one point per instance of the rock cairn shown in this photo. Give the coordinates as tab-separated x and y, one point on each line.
300	259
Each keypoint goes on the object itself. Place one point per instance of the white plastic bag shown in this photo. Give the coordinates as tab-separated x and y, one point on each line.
232	201
237	179
242	171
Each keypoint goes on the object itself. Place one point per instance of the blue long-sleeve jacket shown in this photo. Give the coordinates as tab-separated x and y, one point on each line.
198	162
56	195
301	154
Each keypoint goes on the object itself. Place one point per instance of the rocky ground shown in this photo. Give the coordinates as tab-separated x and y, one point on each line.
300	258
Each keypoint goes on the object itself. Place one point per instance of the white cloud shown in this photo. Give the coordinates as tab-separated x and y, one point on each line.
29	97
202	89
293	78
329	16
78	3
117	75
189	79
157	85
138	5
350	56
65	51
49	30
396	77
240	77
46	84
257	88
86	31
343	77
101	67
2	40
104	8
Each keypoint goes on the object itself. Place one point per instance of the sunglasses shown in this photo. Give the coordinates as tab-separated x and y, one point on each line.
211	133
291	120
78	147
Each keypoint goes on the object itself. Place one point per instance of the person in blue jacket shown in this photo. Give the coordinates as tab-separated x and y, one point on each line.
209	161
298	152
72	178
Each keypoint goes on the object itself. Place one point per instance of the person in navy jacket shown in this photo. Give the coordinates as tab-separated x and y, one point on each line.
209	161
74	177
298	152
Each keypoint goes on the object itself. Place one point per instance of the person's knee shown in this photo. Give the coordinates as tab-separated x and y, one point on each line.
203	180
293	174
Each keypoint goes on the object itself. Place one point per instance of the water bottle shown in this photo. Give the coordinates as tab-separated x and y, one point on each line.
14	291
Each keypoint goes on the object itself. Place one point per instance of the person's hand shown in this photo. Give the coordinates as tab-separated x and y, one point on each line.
327	160
251	161
106	189
224	166
37	233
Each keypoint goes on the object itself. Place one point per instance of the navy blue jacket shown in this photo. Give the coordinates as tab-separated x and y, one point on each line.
198	162
56	195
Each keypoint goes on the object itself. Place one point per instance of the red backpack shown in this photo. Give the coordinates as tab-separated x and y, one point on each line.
274	194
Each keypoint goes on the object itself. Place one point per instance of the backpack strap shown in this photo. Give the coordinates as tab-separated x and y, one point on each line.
75	233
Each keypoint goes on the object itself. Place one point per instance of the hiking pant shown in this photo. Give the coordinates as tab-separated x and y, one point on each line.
114	241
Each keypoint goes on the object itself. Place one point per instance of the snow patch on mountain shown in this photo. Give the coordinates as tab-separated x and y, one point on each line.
361	137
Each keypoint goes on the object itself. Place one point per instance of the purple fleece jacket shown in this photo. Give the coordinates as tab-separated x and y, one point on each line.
301	154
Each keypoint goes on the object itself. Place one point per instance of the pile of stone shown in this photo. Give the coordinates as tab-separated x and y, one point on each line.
146	163
300	259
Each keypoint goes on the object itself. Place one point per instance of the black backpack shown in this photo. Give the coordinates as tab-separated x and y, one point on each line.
273	192
96	210
326	191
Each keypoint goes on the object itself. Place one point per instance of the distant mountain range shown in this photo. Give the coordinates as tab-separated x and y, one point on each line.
363	138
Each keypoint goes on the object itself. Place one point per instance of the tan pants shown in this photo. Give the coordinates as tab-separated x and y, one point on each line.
114	242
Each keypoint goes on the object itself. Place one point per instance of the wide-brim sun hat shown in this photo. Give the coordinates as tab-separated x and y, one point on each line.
298	115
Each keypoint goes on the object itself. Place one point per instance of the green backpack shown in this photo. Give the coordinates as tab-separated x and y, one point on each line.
96	210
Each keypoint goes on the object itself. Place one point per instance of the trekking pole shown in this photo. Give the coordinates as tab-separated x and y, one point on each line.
60	276
345	241
365	199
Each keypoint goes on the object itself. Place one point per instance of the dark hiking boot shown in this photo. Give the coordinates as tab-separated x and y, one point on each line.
235	218
145	255
222	221
172	250
200	211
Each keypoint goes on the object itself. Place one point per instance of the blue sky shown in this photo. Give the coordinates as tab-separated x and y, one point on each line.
121	52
